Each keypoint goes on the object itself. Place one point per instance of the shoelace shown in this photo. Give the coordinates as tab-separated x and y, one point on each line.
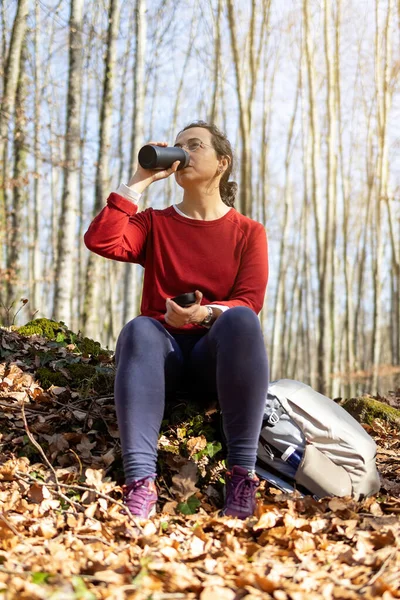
139	491
242	490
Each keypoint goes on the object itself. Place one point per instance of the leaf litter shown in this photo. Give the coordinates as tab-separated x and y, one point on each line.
65	534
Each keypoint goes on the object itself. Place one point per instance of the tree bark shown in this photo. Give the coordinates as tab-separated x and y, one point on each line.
90	317
317	203
19	192
383	97
282	261
11	77
36	257
67	222
130	288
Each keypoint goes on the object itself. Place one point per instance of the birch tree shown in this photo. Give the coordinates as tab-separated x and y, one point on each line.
90	317
11	77
130	288
246	94
316	196
383	98
19	192
63	291
278	310
328	273
35	262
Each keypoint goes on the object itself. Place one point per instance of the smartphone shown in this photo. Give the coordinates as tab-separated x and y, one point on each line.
185	300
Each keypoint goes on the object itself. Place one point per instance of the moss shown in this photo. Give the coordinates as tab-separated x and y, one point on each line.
83	377
171	448
59	332
88	346
44	327
80	371
79	376
86	377
365	410
47	378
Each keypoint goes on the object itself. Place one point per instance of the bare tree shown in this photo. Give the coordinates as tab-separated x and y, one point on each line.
90	317
130	288
19	194
383	98
35	264
321	247
277	338
11	77
63	291
246	94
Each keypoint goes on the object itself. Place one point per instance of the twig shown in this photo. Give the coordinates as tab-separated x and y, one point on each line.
88	414
92	537
10	525
85	489
380	571
158	595
48	463
358	588
341	583
79	461
30	573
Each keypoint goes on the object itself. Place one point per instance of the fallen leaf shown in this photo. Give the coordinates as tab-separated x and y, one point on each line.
215	592
184	482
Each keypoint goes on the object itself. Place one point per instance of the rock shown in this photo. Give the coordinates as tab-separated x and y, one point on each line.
365	410
59	332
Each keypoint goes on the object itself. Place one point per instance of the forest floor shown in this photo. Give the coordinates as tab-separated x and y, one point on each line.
64	533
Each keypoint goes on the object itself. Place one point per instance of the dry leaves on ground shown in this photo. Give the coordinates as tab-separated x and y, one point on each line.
64	533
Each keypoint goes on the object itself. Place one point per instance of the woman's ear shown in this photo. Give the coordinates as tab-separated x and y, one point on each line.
223	164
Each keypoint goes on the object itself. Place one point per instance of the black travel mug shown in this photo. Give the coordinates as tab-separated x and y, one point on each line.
159	157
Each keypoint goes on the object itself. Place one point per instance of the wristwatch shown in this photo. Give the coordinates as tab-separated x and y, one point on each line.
208	318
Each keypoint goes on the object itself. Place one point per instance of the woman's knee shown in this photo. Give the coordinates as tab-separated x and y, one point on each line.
240	317
138	331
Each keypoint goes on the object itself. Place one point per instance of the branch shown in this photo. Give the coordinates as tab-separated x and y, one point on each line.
48	463
84	488
10	525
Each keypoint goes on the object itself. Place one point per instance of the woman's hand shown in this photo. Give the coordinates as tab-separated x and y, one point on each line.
144	177
177	316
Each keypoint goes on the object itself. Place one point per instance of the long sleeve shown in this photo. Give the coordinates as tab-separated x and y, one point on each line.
119	231
251	281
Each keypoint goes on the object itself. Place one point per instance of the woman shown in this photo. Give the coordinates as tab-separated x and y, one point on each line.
200	244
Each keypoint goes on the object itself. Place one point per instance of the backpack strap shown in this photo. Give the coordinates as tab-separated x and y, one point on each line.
273	411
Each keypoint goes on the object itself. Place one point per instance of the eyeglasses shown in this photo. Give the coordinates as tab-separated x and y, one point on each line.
193	144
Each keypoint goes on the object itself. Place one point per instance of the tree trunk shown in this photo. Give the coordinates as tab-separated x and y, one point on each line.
317	204
36	258
67	222
282	261
244	204
331	190
19	193
217	63
130	308
384	97
8	100
90	317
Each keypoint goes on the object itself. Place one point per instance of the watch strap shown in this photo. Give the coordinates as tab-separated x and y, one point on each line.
208	318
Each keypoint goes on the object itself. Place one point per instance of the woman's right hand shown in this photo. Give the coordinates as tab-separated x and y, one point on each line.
144	177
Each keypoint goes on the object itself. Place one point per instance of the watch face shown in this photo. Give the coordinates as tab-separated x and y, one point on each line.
209	316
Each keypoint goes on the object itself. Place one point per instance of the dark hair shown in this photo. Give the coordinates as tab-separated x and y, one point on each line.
222	147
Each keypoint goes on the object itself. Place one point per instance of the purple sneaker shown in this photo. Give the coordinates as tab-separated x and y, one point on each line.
141	497
240	493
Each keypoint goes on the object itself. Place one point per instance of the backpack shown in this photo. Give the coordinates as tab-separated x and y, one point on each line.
309	442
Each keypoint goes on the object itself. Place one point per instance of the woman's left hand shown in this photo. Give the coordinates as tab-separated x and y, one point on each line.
177	316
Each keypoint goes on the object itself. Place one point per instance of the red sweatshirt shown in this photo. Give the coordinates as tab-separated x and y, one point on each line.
226	259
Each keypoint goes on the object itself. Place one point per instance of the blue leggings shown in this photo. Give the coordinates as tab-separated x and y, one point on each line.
228	362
